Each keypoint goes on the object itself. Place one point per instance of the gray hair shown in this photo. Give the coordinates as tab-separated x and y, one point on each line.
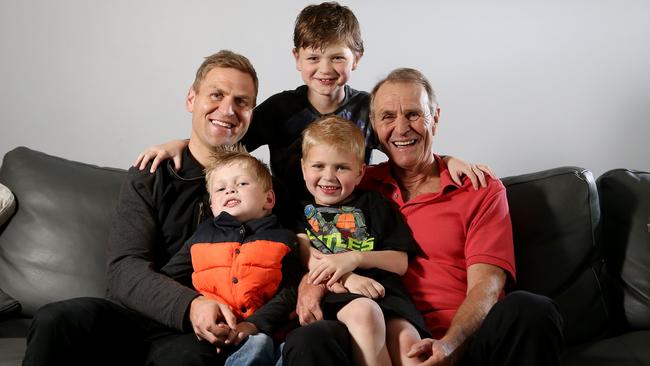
406	75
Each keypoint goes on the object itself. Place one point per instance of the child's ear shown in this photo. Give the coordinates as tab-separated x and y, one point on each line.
269	201
362	170
357	58
296	56
302	167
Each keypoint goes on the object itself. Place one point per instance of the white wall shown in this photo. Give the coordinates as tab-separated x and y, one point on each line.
524	85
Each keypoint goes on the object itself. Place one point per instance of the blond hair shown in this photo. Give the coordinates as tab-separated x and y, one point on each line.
226	155
318	26
226	59
337	132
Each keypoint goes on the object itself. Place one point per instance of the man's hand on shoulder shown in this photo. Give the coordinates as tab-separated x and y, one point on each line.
206	314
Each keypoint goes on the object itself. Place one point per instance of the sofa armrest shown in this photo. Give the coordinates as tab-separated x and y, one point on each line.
54	247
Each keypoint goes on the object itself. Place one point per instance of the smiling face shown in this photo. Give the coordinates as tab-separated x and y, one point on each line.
331	174
234	189
326	71
221	108
404	124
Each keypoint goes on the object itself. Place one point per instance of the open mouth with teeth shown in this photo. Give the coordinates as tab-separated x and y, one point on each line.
404	143
223	124
232	203
327	81
328	189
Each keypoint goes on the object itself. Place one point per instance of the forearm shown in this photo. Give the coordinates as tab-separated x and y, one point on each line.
275	312
304	250
131	273
132	282
388	260
484	290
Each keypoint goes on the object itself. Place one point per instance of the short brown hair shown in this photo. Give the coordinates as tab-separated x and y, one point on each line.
226	59
226	155
318	26
337	132
406	75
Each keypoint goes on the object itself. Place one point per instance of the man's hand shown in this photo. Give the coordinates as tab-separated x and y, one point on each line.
365	286
241	331
308	305
432	352
205	314
330	267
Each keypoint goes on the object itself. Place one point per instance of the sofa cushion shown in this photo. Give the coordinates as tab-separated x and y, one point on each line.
7	204
54	246
12	351
8	305
629	349
625	204
555	216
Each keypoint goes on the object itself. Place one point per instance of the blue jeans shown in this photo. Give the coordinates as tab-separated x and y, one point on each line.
256	350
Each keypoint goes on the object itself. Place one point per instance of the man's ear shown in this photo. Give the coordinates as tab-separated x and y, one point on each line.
189	100
269	202
296	56
357	58
436	118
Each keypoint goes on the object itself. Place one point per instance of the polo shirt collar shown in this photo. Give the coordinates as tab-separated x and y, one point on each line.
381	175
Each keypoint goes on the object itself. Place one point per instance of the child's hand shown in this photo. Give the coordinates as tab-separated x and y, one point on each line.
365	286
475	172
330	267
172	149
221	333
241	331
337	288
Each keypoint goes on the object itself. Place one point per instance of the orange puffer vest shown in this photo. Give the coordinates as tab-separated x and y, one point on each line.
239	265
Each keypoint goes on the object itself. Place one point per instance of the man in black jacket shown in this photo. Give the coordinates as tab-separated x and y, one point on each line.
147	313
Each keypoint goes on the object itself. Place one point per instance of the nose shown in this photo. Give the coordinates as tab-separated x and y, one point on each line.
324	66
402	124
329	174
231	190
226	107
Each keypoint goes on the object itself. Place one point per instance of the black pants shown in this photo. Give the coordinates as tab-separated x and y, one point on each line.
520	329
95	331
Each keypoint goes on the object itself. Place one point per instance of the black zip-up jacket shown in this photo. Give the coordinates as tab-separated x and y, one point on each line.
156	214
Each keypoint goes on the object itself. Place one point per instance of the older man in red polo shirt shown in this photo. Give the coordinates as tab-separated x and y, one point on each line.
467	251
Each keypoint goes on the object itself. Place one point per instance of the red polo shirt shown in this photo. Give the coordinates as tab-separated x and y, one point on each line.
455	228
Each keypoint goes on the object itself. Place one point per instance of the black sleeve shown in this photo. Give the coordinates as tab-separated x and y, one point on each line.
263	125
131	274
388	226
276	311
179	266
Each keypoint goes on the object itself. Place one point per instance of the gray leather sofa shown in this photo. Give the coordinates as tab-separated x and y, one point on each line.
584	243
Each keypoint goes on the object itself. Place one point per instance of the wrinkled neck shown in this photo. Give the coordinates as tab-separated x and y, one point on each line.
421	179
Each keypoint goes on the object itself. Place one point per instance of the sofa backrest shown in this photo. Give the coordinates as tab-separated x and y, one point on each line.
555	217
625	202
54	246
